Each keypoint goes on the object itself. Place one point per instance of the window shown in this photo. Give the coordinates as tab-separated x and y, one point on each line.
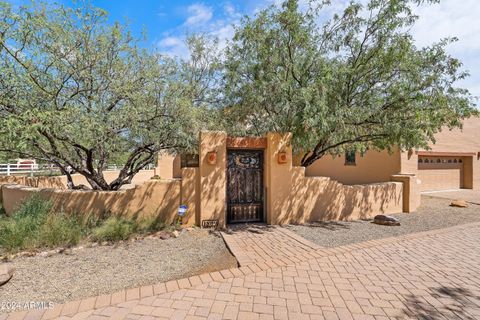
350	158
189	160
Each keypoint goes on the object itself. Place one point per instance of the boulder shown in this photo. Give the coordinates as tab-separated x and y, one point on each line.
459	204
386	220
6	273
164	235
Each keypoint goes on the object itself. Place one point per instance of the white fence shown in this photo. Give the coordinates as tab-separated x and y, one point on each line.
31	169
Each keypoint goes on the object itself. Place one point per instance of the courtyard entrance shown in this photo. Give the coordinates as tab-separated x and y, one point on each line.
245	186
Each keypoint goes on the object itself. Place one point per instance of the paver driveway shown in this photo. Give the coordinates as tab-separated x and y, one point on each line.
431	275
472	196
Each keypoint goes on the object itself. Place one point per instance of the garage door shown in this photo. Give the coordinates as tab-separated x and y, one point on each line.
440	173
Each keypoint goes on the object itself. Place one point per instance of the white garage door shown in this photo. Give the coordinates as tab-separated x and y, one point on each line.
440	173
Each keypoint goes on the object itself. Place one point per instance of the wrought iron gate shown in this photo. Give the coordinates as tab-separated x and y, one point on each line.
244	186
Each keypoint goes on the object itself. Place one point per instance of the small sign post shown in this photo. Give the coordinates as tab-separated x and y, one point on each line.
182	211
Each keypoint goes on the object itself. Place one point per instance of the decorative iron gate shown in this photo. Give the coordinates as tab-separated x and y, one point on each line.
244	186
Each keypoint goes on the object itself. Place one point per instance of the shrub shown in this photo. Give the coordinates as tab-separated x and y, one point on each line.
114	229
11	236
20	231
151	224
34	225
59	230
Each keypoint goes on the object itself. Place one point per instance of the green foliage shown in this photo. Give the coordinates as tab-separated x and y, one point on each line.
151	224
22	231
59	230
34	225
114	229
78	92
120	228
355	82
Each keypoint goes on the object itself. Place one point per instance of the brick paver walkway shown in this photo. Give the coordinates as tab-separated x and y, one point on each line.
260	243
431	275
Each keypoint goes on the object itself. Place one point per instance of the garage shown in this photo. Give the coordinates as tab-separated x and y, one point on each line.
441	173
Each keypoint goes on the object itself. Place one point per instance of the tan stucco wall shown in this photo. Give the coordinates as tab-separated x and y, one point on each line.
213	177
372	167
411	191
60	182
168	166
294	198
159	198
190	195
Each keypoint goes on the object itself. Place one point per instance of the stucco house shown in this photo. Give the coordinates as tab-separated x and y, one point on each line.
256	179
453	162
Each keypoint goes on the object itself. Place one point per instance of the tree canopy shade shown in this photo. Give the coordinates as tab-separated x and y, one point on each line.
355	82
77	92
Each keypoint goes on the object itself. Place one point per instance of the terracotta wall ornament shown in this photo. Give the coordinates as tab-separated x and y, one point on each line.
282	157
212	157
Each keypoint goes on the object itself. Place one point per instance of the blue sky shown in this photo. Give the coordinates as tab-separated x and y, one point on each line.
167	23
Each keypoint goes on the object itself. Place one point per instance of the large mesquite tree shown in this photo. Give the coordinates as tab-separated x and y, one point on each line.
355	82
77	92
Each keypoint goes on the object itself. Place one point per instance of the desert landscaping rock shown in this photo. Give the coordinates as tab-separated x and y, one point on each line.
6	273
164	235
459	204
434	213
386	220
106	269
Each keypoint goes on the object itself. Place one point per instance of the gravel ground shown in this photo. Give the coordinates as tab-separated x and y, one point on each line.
434	213
106	269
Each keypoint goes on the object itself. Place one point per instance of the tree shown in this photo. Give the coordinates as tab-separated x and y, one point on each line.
355	82
77	92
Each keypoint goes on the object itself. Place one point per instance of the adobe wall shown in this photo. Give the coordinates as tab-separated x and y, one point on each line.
372	167
190	195
212	177
60	182
168	166
158	198
293	197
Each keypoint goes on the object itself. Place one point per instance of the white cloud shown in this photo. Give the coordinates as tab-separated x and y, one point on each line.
198	14
221	28
452	18
229	9
173	46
